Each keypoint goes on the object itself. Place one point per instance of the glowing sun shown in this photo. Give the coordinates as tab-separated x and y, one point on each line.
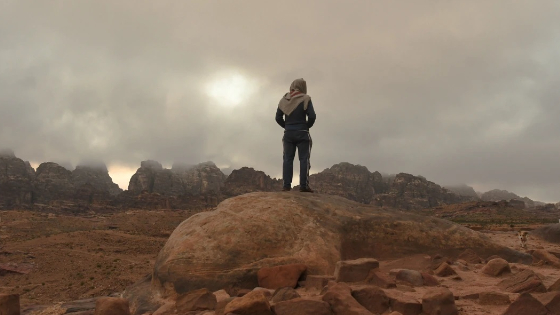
229	90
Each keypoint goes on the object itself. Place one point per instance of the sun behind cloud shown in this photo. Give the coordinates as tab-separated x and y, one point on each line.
230	89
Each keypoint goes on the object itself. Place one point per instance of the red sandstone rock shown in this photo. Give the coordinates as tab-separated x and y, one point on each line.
551	301
404	304
411	277
317	282
493	298
9	304
284	294
354	270
548	258
111	306
524	281
301	306
280	276
429	280
341	301
439	301
470	257
380	279
444	270
555	286
197	300
253	303
526	304
496	267
372	298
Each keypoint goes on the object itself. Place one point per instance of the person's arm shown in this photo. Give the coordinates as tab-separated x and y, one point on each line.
280	118
310	115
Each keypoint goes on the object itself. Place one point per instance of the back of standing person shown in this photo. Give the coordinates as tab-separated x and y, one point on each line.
296	115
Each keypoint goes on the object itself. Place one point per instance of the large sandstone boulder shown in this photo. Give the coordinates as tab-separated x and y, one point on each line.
226	247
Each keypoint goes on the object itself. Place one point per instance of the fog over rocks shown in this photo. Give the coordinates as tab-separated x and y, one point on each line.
460	92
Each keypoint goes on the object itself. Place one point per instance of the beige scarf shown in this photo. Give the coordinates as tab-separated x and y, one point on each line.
297	95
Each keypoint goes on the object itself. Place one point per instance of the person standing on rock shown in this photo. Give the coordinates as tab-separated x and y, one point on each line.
296	115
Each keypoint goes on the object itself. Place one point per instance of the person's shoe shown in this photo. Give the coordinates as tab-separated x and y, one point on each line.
286	188
306	189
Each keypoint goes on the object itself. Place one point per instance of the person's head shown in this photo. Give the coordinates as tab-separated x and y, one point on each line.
299	85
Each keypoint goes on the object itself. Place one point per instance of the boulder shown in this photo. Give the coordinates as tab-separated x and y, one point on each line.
111	306
526	304
9	304
524	281
411	277
470	257
555	286
493	298
197	300
551	301
341	301
226	247
354	270
284	294
253	303
429	280
280	276
372	298
404	304
444	270
496	267
439	301
546	257
317	282
302	306
380	279
221	295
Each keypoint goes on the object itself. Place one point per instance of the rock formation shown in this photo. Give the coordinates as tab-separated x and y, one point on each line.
52	182
247	179
204	178
354	182
463	190
16	181
497	195
414	192
95	176
226	247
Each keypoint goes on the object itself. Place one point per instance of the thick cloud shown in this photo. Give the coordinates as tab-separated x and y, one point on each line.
458	91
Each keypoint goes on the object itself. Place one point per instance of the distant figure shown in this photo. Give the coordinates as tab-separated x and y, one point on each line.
523	238
299	115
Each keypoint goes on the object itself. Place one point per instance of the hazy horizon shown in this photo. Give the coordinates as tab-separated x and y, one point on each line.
458	92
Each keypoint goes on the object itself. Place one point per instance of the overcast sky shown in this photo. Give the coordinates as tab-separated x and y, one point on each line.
456	91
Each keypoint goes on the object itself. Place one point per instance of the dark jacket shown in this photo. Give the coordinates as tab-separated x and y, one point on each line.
297	119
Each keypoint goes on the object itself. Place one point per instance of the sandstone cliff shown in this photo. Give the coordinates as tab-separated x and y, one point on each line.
204	178
16	181
415	192
463	190
354	182
247	179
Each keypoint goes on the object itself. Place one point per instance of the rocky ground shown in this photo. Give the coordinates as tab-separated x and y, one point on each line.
53	261
50	258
